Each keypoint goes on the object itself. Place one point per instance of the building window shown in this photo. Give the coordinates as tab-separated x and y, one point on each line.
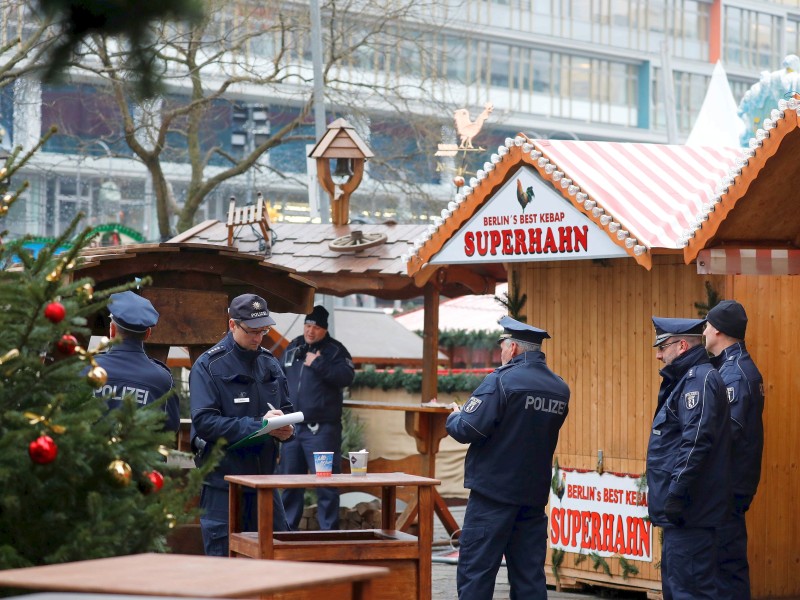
621	23
690	91
749	38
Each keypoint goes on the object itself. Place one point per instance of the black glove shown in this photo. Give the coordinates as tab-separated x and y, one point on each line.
741	503
673	509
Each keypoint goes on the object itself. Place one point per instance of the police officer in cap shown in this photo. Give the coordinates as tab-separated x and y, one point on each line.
724	333
511	422
234	386
688	460
130	371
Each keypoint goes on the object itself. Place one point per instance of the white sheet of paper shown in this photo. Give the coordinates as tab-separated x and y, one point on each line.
279	421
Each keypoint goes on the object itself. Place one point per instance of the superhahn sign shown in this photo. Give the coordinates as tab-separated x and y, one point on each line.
601	514
527	220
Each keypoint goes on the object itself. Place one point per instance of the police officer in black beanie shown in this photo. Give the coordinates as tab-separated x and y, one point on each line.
317	367
724	333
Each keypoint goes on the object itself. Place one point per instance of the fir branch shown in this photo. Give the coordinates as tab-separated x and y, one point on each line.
557	558
598	561
628	568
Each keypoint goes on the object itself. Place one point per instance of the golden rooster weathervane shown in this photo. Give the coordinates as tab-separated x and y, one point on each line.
467	130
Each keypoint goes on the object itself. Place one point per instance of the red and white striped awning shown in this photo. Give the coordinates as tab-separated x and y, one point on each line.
748	261
654	191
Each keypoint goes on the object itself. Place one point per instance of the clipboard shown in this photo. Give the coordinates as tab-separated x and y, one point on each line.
270	424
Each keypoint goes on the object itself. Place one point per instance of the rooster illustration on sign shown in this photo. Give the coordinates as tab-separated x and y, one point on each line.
524	197
468	129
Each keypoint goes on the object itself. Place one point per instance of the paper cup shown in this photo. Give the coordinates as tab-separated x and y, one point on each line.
358	463
323	463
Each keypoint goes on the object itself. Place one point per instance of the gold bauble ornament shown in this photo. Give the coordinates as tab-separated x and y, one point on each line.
86	291
97	376
120	472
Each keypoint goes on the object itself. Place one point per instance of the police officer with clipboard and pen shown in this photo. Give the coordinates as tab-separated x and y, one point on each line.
511	422
234	386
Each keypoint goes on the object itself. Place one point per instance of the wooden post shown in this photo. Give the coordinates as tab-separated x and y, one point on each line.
430	343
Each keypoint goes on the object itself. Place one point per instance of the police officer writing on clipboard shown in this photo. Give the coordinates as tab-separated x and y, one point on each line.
688	460
130	371
234	386
511	422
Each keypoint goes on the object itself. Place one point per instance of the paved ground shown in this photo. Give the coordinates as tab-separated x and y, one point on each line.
444	575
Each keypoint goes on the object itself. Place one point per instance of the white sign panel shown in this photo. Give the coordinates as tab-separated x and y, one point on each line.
527	220
602	514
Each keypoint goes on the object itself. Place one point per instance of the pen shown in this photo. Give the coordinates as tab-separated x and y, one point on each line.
270	406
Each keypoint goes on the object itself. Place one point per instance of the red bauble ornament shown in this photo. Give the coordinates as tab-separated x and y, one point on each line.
55	312
43	450
157	479
67	344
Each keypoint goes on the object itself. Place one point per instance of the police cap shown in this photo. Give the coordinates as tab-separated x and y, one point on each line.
667	327
251	310
729	318
132	312
513	329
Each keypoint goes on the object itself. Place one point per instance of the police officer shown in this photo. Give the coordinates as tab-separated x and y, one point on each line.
688	460
130	371
234	386
724	334
511	422
318	367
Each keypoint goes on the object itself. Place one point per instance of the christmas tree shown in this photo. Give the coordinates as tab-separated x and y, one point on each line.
77	481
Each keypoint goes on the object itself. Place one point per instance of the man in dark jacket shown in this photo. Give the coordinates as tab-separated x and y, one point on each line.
318	367
688	460
724	331
511	422
130	371
234	386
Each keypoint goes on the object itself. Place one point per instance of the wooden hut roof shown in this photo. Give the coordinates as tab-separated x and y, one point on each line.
751	225
192	285
378	270
643	196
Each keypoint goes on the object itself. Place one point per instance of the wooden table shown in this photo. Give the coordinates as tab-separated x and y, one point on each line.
199	576
425	423
407	556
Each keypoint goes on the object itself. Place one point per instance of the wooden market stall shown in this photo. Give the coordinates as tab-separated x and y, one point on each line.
751	238
593	233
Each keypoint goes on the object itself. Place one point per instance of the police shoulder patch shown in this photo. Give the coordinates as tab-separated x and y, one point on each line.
472	405
731	394
691	399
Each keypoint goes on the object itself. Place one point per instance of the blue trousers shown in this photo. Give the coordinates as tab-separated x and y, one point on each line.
297	457
733	572
214	517
492	529
689	563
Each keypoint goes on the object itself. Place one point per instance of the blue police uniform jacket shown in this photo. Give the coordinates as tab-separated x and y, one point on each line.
511	422
744	388
316	390
230	391
132	372
689	449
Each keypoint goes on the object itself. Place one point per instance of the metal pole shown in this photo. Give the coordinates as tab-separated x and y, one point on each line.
669	93
319	96
319	130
